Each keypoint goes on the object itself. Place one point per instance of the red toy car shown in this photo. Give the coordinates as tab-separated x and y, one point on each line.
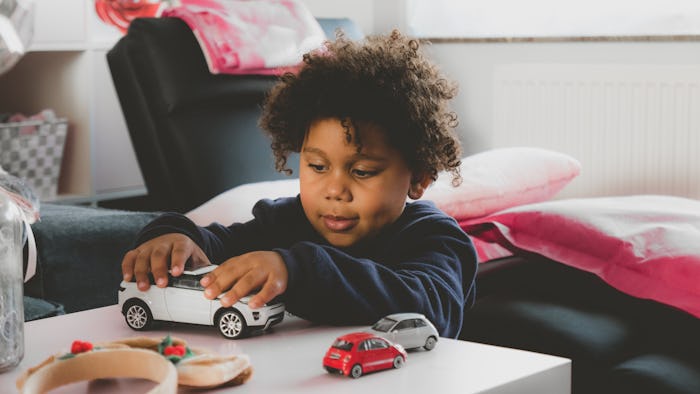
358	353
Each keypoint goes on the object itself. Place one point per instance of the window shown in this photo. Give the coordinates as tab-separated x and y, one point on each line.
406	324
365	345
384	325
342	345
376	343
187	283
552	18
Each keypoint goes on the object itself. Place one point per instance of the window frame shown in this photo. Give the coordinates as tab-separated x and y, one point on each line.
553	20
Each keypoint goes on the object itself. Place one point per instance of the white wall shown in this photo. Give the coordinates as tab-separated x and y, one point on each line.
472	65
659	142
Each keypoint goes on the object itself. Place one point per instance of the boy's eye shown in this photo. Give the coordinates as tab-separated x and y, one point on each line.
365	173
317	167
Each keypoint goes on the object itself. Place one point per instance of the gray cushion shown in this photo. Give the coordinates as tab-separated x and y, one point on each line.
35	308
79	254
654	373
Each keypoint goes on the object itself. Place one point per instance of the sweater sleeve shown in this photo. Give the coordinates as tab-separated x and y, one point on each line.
217	241
428	267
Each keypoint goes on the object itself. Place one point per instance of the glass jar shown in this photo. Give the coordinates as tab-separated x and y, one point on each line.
11	283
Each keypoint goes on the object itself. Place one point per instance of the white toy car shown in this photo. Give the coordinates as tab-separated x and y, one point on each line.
183	301
410	330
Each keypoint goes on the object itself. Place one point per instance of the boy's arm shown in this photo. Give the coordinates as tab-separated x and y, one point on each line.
430	269
276	222
217	241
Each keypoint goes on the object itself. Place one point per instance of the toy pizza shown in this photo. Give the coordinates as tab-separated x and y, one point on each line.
169	362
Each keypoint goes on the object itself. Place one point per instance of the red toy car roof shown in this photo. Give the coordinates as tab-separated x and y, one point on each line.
357	336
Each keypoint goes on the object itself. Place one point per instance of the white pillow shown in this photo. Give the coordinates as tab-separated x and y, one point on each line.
492	181
236	205
502	178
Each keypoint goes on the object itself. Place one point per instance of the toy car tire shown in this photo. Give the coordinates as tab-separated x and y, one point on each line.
137	315
356	371
430	343
231	324
398	362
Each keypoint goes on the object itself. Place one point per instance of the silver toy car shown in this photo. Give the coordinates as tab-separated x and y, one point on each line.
410	330
183	301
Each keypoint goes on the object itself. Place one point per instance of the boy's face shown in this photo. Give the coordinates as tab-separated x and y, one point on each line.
349	196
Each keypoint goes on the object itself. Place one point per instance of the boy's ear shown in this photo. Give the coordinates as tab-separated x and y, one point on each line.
419	184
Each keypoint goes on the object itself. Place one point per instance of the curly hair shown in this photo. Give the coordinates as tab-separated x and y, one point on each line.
384	80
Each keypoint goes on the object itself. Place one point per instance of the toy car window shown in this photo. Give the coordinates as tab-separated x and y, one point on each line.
342	345
419	323
376	343
187	283
405	325
384	325
365	345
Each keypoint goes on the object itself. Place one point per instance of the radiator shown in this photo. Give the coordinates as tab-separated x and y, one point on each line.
634	128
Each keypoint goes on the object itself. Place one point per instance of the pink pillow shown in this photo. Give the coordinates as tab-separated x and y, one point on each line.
645	246
502	178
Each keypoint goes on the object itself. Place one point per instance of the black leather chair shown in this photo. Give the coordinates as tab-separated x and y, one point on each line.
195	134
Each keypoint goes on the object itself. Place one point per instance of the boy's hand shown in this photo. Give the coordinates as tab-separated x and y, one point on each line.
156	255
241	275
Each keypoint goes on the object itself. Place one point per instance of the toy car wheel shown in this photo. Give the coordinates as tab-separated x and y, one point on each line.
398	362
137	315
356	371
231	324
430	343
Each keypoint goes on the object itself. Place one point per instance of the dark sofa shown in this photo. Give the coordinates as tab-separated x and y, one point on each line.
618	343
79	251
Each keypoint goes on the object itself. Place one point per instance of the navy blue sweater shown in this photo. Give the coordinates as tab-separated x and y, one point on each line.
423	262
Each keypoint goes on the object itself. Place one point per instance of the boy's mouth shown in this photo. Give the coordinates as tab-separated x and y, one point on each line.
339	223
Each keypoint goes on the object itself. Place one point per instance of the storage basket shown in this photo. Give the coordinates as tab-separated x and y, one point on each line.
32	150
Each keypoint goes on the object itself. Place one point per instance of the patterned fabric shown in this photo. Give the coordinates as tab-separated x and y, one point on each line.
250	37
33	151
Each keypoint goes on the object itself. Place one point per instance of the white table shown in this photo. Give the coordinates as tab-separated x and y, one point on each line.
288	359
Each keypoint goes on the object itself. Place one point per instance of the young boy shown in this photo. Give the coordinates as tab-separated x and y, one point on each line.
371	123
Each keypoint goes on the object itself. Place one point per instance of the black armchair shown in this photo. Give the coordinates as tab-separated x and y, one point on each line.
195	134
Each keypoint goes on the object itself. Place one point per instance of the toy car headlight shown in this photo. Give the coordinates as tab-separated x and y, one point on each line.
347	358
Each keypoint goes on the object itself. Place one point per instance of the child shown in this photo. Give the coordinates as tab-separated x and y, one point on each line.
371	123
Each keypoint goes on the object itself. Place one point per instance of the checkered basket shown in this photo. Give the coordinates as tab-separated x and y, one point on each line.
32	150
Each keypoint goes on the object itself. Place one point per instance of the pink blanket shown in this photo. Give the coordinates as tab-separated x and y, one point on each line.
250	37
646	246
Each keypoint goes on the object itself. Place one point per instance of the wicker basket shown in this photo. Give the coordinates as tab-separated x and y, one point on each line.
33	151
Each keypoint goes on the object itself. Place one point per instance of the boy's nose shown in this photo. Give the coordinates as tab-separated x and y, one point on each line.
337	189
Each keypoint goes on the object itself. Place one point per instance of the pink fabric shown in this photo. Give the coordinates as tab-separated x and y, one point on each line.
250	37
501	178
487	251
645	246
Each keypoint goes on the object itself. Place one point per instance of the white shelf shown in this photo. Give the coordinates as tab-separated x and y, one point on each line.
66	70
70	25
